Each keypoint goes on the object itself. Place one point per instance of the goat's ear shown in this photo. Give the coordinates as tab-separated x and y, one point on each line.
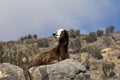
53	34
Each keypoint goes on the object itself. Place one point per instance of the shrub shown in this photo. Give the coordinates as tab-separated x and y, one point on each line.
29	36
107	41
94	51
109	29
75	45
77	33
22	38
100	33
71	33
74	33
43	43
87	64
1	53
91	37
108	68
35	36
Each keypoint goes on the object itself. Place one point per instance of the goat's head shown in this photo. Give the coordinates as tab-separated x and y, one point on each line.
58	33
62	36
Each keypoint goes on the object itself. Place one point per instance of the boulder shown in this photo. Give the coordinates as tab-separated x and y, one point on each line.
74	45
68	69
11	72
117	71
116	36
84	57
75	56
106	50
106	53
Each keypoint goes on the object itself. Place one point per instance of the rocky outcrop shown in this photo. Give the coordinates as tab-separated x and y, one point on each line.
116	36
106	53
84	57
74	45
11	72
68	69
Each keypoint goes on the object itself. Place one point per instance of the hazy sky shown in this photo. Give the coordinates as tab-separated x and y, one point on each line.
43	17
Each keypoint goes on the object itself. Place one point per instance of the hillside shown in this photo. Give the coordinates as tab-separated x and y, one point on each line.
85	48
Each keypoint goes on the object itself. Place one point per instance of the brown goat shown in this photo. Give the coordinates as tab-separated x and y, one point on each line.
60	52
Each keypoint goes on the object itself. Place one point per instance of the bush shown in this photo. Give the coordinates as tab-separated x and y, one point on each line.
77	33
75	45
100	33
35	36
43	43
91	37
108	68
29	36
109	29
1	53
94	51
87	64
107	41
74	33
71	33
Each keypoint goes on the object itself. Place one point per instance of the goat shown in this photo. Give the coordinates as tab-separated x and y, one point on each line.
58	53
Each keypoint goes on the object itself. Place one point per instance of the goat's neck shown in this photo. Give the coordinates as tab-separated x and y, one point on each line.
63	49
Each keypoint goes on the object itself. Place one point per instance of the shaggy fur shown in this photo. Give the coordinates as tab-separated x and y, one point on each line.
60	52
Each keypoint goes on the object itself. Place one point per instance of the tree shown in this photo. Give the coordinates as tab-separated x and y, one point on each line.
74	33
43	42
107	68
71	33
77	33
35	36
75	44
29	36
91	37
1	53
109	29
100	33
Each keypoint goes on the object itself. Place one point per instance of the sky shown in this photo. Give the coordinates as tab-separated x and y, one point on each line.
44	17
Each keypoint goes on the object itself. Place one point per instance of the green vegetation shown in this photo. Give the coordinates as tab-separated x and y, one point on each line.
20	52
108	68
109	30
74	33
94	51
75	45
29	36
107	41
43	42
91	37
100	33
1	53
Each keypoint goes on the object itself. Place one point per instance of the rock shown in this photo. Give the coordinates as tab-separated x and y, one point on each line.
84	57
74	45
106	50
35	73
11	72
108	69
117	71
75	56
68	69
116	36
106	53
